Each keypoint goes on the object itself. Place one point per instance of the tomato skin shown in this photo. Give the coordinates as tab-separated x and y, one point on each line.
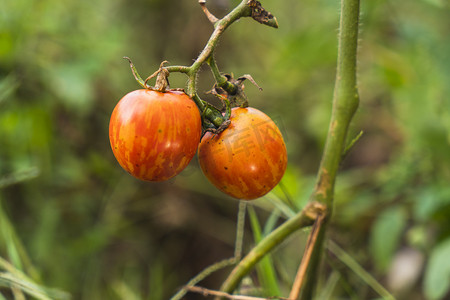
154	135
246	160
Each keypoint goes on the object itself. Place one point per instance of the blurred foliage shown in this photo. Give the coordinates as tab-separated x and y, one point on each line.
71	218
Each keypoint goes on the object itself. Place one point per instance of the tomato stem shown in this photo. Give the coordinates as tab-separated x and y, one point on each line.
242	10
136	74
221	80
180	69
223	263
212	18
345	104
162	81
303	219
246	8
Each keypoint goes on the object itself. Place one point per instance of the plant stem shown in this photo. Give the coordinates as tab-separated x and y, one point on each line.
221	264
202	275
180	69
311	243
239	11
220	79
301	220
345	104
214	116
199	102
240	228
207	292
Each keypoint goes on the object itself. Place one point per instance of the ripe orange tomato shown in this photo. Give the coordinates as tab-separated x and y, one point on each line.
154	135
246	160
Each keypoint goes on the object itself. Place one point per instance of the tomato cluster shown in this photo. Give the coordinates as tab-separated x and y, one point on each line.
155	135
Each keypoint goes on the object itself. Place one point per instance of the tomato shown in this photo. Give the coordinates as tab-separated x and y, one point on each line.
155	135
246	160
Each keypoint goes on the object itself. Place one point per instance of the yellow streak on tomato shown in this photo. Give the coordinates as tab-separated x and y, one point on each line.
147	133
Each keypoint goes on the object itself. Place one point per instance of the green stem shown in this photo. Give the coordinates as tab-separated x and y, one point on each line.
301	220
219	27
240	230
212	115
242	10
202	275
345	104
199	102
220	79
224	263
180	69
245	8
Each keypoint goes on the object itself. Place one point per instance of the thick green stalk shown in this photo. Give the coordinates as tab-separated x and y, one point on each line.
345	103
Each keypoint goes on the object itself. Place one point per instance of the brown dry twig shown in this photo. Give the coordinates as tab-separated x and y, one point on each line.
212	18
207	292
310	244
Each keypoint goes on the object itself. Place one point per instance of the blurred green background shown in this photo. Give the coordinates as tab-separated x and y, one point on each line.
72	219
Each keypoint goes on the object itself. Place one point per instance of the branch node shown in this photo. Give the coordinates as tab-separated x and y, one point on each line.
314	210
162	81
351	144
233	89
208	14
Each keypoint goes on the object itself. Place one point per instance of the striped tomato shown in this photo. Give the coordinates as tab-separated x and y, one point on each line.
154	135
246	160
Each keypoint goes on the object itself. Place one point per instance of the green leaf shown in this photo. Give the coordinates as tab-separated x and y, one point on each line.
437	273
9	84
265	268
73	78
271	222
431	201
385	236
15	278
124	291
9	280
9	236
19	176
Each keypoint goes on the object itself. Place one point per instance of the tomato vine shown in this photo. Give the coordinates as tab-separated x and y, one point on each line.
213	118
230	91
